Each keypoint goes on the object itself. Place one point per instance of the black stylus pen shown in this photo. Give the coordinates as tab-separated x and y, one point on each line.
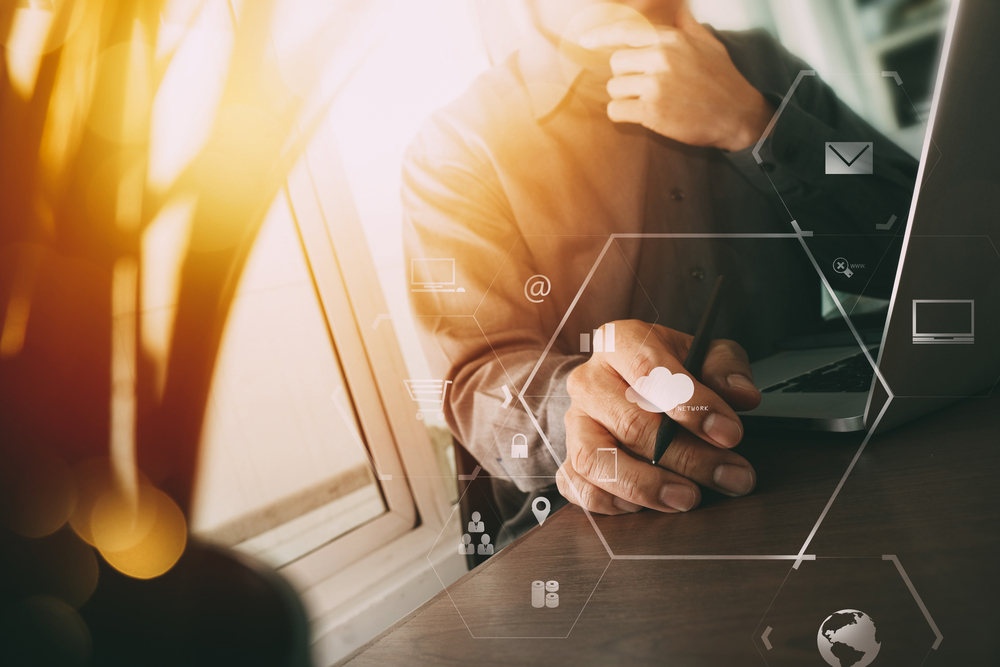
695	358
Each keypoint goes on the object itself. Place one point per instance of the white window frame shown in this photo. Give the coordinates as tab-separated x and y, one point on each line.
397	546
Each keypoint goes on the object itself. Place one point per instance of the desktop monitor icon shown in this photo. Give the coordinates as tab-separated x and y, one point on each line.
433	275
944	321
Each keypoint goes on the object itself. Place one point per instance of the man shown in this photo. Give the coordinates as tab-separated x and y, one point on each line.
631	120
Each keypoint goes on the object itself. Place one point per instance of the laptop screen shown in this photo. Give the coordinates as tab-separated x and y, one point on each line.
433	271
941	318
942	341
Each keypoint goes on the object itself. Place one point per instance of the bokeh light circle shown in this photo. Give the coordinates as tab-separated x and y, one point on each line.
159	547
120	520
95	478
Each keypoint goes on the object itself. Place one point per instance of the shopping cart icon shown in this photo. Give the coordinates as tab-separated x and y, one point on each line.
429	395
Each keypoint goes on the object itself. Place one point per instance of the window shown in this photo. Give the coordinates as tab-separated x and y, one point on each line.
284	466
423	55
312	458
166	130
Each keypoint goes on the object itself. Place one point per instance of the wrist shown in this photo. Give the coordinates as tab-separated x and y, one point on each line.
751	124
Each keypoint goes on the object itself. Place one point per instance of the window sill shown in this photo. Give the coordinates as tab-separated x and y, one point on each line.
391	582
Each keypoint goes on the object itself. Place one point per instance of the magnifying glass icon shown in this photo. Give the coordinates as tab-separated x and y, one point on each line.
840	265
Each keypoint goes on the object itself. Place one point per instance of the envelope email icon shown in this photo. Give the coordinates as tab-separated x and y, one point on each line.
849	157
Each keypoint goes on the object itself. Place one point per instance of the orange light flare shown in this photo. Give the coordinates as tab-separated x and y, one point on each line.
163	134
34	29
187	100
26	258
140	531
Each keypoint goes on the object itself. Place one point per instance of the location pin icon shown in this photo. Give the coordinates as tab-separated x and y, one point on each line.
541	513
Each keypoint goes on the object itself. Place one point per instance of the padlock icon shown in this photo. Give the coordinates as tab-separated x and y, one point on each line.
519	450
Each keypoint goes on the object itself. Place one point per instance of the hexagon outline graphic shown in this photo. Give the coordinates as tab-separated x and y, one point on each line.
798	234
938	636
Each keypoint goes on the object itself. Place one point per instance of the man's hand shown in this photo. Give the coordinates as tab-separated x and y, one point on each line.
600	417
681	83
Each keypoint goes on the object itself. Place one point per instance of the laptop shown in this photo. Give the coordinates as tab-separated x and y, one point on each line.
940	341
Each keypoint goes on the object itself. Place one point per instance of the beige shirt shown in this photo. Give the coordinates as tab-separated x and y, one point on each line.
525	176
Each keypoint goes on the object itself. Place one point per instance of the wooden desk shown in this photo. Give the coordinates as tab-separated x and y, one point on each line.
928	493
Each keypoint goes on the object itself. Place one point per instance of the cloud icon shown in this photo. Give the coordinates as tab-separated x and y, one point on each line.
661	390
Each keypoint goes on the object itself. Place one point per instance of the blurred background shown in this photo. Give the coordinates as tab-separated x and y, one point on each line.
204	327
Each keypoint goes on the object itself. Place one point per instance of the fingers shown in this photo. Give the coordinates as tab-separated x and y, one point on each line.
726	371
607	410
648	357
631	85
626	111
719	469
639	61
579	491
633	34
609	483
618	474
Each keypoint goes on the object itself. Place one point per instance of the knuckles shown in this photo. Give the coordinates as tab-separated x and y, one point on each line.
642	363
581	494
587	496
684	461
655	88
561	483
632	426
628	487
613	111
661	60
580	459
733	349
578	381
619	60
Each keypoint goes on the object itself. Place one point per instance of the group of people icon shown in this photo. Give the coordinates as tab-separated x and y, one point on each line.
476	526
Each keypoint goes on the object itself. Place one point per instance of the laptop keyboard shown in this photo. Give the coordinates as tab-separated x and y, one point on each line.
850	374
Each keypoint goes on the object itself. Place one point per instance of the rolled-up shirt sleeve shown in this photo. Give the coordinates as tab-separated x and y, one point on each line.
486	336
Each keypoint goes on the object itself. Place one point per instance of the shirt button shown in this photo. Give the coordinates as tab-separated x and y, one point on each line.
677	194
698	273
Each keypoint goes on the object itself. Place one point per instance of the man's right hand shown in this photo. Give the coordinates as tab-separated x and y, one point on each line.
601	417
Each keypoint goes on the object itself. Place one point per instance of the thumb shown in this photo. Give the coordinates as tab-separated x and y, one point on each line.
686	22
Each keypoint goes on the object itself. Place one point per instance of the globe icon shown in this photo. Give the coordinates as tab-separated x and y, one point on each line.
848	638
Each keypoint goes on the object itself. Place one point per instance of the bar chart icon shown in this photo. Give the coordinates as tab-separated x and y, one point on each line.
604	340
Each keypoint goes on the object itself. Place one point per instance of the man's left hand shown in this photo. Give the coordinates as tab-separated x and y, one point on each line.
681	83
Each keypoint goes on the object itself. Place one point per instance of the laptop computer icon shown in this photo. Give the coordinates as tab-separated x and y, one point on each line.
435	274
944	321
